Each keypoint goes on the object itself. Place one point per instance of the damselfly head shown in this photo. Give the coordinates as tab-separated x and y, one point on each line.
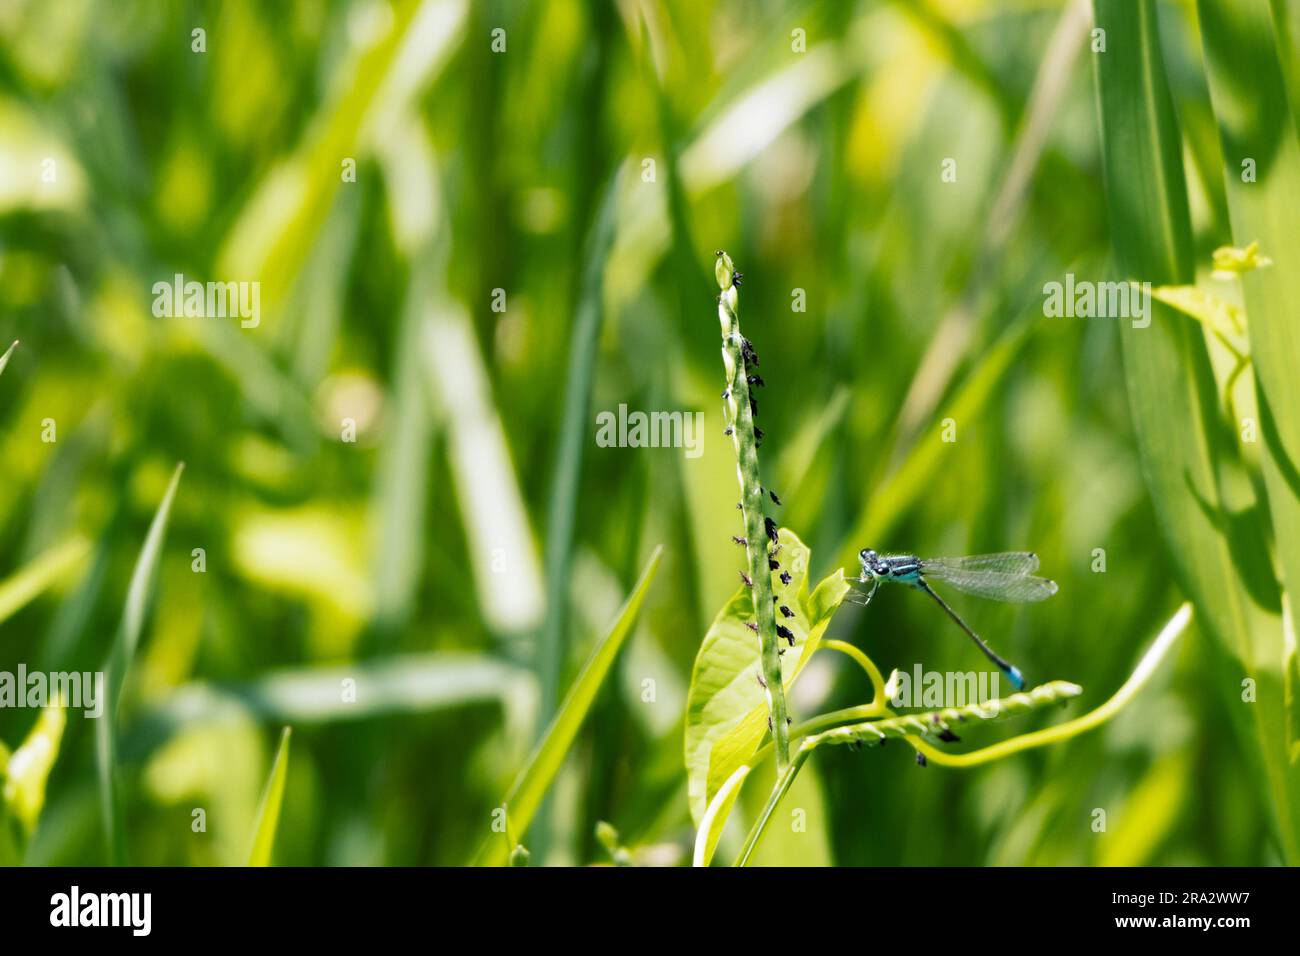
871	563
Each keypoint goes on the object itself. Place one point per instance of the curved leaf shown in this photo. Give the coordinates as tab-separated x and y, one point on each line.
726	712
29	766
26	584
535	778
268	815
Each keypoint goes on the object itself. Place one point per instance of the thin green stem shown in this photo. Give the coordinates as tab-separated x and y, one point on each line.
915	727
1072	728
866	663
783	783
759	577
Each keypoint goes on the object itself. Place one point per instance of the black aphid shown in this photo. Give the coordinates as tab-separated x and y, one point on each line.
948	737
726	394
774	564
785	577
740	541
753	406
752	626
770	526
749	582
775	499
728	431
758	433
736	277
786	611
783	631
757	381
920	760
761	683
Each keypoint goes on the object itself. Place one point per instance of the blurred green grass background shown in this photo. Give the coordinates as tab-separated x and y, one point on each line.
588	169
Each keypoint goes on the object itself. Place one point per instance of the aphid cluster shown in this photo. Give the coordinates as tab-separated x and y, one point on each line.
740	409
750	358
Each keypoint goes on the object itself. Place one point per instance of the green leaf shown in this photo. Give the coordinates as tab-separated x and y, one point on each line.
1203	500
118	665
1258	129
405	683
4	359
29	767
275	230
535	778
726	711
1181	439
268	814
715	816
26	584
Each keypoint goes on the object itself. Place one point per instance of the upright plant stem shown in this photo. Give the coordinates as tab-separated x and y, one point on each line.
785	777
741	423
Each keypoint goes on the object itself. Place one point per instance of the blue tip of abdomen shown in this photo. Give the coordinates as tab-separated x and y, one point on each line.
1017	679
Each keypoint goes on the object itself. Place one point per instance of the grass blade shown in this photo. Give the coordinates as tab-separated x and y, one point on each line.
1166	366
535	778
4	359
268	814
24	585
398	684
1185	447
486	484
119	663
28	768
1244	63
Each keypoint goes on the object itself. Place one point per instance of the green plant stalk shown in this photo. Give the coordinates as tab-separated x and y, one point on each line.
783	783
877	731
741	421
1089	721
915	727
873	732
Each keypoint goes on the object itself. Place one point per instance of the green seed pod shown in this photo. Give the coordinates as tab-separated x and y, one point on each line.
738	410
724	270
